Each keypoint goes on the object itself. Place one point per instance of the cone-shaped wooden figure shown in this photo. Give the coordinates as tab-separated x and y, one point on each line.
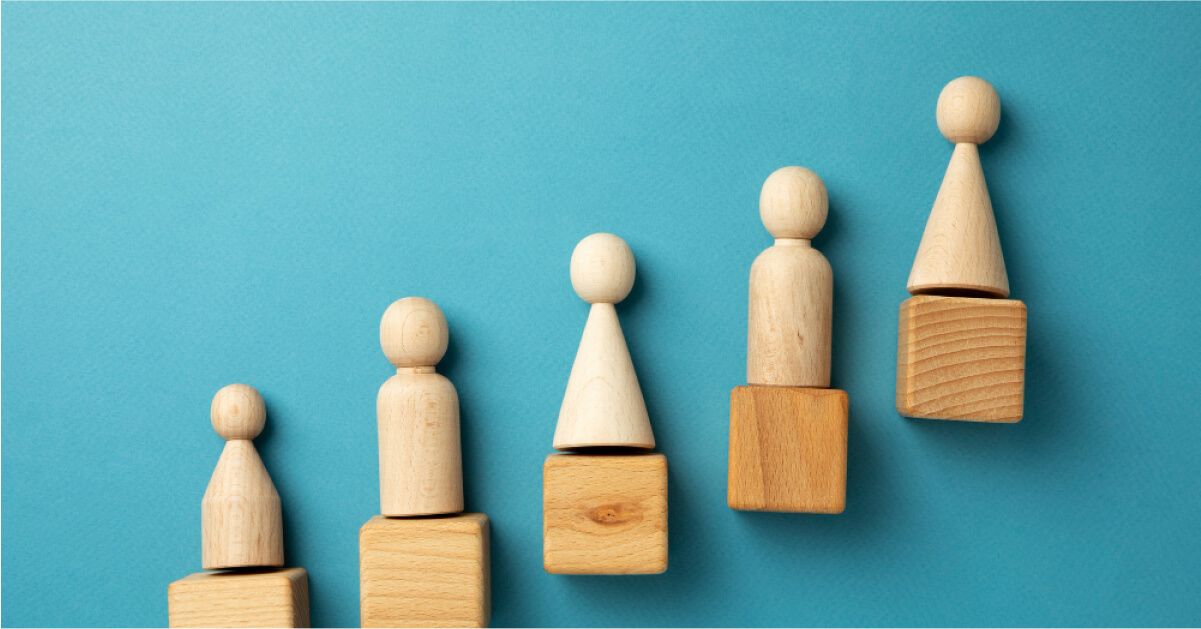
603	405
962	345
421	571
242	534
960	249
788	430
604	512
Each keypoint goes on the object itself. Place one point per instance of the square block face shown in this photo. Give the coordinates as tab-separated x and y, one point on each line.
788	449
604	514
425	572
961	358
260	598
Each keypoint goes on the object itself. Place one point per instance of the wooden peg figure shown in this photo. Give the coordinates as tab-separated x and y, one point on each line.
420	464
788	429
950	365
603	405
422	562
242	535
241	514
604	506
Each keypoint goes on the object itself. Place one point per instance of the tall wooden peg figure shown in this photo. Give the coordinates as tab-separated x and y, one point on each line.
961	349
242	534
788	429
604	507
416	570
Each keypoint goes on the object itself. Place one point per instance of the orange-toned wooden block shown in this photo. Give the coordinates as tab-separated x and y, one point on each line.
604	514
253	598
961	358
788	449
425	572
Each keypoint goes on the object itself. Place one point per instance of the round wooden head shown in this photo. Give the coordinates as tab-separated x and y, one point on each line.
413	333
793	203
238	412
969	110
602	269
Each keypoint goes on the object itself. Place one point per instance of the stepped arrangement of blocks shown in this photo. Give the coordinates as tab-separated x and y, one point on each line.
422	561
961	345
242	535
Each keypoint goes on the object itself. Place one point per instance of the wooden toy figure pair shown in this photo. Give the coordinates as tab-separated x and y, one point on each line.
961	348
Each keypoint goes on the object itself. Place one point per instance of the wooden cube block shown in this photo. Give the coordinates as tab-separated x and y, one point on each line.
961	358
253	598
788	449
604	514
425	572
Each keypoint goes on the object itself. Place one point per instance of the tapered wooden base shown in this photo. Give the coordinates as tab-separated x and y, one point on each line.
961	358
425	572
788	449
257	598
604	514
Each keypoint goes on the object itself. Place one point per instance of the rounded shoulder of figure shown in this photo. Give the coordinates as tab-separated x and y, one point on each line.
783	258
411	384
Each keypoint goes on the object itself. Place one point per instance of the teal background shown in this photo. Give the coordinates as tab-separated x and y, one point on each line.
199	194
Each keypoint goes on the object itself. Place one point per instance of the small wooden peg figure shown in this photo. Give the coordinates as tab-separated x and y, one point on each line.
603	405
242	535
949	364
242	523
792	286
788	430
420	460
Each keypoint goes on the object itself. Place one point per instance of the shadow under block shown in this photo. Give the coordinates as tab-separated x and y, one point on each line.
788	449
961	358
258	598
425	572
604	514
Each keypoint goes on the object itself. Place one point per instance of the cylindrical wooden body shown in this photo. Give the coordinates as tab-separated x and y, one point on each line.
420	460
241	518
791	308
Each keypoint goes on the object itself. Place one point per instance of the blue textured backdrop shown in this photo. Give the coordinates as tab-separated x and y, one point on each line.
199	194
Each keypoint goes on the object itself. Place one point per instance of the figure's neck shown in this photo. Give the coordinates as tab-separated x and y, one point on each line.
408	370
793	242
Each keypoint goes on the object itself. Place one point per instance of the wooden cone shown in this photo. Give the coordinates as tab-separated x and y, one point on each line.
960	250
242	522
603	405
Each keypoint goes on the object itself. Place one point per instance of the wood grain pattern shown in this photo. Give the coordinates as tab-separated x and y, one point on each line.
604	514
603	404
425	572
241	515
961	358
791	286
788	449
960	249
261	598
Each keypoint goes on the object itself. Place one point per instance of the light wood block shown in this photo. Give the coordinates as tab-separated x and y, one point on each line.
259	598
425	572
604	513
788	449
961	358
